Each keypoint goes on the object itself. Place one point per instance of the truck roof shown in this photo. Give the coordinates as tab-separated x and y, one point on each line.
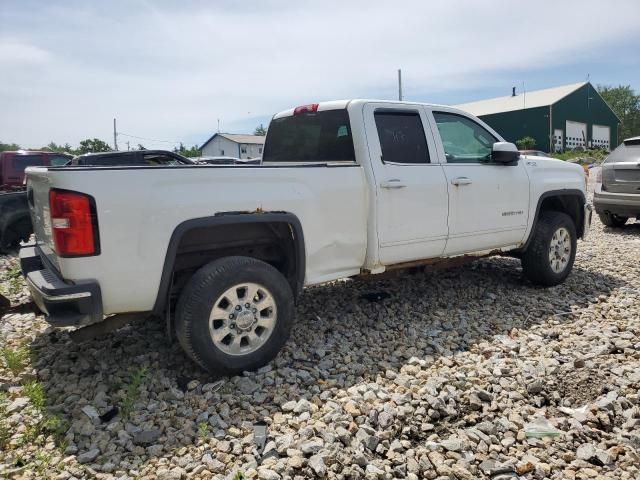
340	104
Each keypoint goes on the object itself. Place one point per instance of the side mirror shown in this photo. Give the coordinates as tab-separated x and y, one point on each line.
505	153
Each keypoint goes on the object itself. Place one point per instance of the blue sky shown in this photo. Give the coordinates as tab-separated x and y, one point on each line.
169	70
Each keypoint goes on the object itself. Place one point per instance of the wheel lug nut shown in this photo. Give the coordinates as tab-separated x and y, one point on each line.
238	307
246	305
255	310
232	316
233	325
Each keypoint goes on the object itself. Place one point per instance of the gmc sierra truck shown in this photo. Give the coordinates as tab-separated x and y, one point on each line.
346	188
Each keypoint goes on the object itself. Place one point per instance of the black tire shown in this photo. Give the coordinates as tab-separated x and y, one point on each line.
536	263
18	231
612	220
201	293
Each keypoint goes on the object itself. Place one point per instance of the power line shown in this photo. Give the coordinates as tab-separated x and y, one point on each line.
148	139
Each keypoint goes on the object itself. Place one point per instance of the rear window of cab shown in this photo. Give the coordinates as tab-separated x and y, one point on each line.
312	137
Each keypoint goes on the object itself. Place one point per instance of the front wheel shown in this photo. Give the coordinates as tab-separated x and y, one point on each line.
549	258
234	314
612	220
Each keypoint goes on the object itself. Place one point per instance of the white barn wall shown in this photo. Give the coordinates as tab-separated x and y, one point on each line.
223	147
220	147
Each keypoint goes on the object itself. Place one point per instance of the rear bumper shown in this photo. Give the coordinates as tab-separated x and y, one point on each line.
623	204
65	304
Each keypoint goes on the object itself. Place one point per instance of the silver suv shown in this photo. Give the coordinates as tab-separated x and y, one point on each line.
617	194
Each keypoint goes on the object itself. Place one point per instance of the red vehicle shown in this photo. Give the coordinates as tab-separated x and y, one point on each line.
13	164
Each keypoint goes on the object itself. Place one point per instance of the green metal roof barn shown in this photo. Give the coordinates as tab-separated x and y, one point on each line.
559	118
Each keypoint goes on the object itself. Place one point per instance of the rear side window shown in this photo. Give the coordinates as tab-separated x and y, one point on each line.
402	138
310	137
626	152
58	160
20	162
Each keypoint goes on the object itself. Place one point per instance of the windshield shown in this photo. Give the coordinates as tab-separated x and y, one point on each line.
310	137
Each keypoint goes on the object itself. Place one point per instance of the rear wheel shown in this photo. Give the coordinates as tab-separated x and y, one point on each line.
234	314
18	231
549	258
612	220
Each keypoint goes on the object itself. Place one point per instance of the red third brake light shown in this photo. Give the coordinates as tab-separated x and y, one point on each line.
72	223
311	108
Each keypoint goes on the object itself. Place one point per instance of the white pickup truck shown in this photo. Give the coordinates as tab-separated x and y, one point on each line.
346	188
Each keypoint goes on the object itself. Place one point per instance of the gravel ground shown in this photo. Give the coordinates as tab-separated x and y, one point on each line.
463	374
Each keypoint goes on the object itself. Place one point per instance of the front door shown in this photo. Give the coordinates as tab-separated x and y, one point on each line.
411	189
488	203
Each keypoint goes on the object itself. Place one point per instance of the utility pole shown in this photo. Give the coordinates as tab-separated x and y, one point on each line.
128	145
115	136
218	125
400	84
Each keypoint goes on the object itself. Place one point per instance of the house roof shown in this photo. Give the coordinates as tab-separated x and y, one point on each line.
533	99
238	138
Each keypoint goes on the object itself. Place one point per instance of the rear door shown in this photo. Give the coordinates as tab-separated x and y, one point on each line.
621	170
411	189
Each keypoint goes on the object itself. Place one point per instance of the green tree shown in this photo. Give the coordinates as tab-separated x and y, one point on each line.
260	130
4	147
141	147
188	152
93	145
526	143
624	101
54	147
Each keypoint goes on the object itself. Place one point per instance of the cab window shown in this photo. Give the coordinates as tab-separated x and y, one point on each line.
464	140
402	138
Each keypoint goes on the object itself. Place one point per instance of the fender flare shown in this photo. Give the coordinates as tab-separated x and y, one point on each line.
230	218
550	194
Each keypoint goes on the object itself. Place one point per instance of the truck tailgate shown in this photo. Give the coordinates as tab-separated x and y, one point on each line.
38	186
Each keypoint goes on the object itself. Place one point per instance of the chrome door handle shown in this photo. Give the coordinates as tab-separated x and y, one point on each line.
393	183
461	181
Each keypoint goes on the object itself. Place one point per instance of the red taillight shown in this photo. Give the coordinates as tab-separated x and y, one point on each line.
72	224
311	108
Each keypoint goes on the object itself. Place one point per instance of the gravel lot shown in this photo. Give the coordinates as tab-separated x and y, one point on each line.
453	375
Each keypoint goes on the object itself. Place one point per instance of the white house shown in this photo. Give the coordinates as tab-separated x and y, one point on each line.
232	145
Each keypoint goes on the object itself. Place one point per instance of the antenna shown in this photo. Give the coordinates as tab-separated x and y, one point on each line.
399	84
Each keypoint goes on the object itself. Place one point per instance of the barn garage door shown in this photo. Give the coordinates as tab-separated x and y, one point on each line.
576	134
601	136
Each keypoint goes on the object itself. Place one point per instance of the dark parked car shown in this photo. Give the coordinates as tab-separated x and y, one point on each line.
131	157
13	164
15	220
617	194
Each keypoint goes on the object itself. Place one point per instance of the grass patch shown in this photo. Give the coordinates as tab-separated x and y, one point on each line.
12	282
5	433
238	476
15	359
132	393
48	425
203	430
595	154
34	391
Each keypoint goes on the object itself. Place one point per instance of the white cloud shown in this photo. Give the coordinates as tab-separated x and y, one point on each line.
15	55
170	70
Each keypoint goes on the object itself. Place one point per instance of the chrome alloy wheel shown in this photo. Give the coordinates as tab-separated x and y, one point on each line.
560	250
242	319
